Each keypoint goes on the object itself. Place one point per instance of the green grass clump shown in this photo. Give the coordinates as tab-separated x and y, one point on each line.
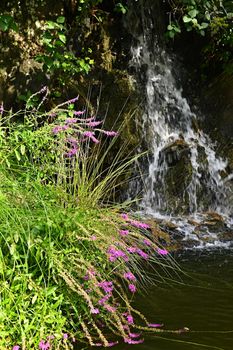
69	263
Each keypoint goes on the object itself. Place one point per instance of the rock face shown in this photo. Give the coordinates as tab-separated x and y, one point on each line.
177	175
218	106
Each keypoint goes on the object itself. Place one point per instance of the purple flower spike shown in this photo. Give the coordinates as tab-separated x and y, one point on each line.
113	343
95	311
125	216
129	318
132	288
162	251
155	325
90	134
16	347
44	345
129	276
124	232
110	133
73	100
133	342
71	153
79	112
139	224
147	242
94	123
134	335
142	254
109	308
1	111
71	120
106	286
132	249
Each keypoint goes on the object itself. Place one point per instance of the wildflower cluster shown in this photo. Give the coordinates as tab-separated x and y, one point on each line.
77	264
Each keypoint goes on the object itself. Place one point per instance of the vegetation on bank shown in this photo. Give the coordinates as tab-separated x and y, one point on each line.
211	19
70	260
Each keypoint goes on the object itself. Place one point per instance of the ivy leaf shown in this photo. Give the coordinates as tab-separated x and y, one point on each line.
187	19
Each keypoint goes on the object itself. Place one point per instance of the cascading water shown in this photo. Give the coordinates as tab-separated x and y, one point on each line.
185	176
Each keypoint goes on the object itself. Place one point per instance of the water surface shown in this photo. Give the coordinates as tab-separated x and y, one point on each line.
202	300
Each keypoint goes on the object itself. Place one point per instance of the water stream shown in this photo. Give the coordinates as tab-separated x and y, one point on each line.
185	187
183	177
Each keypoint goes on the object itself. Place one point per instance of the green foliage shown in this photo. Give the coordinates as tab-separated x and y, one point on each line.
211	18
55	236
59	59
7	22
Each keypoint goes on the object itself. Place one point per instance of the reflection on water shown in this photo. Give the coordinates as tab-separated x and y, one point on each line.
203	302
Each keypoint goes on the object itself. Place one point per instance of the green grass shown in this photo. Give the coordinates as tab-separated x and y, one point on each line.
59	231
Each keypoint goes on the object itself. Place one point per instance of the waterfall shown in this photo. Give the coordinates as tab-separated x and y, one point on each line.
184	174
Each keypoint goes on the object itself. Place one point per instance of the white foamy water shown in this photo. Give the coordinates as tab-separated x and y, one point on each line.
169	123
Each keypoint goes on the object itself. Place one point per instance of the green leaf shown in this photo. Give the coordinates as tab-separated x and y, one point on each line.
186	19
17	155
61	19
3	25
204	25
193	13
62	37
22	149
169	27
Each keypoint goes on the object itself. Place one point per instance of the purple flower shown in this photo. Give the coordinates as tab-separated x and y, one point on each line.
134	335
73	100
71	120
125	216
139	224
103	300
124	232
109	308
131	341
162	251
116	253
155	325
72	141
147	242
44	345
132	288
65	336
110	133
106	286
59	128
49	337
71	153
93	238
90	134
142	254
129	276
79	112
94	123
16	347
113	343
129	318
1	111
95	311
132	249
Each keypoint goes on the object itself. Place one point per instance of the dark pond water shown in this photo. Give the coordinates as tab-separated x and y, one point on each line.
201	299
